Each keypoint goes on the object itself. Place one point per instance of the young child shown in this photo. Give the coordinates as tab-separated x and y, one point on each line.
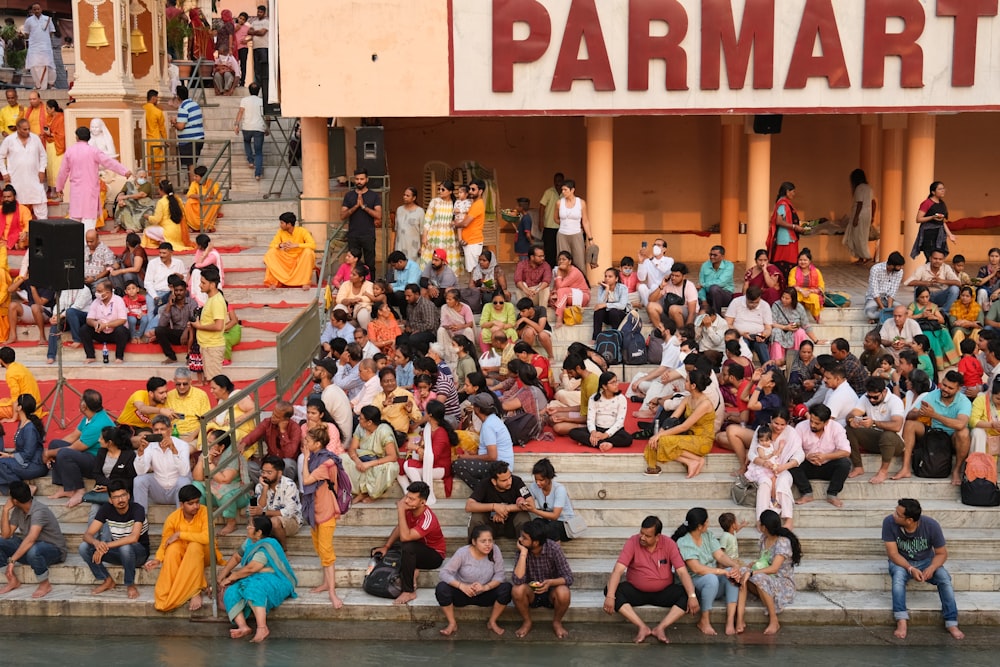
958	265
630	279
970	368
138	315
767	451
422	393
462	203
887	371
925	356
523	240
770	453
730	526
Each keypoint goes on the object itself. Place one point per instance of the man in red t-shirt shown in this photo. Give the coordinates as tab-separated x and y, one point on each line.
420	537
651	560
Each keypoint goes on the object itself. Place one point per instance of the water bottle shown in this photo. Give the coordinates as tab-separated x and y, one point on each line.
175	433
104	353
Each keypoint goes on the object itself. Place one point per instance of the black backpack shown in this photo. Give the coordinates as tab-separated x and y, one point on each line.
932	455
382	579
609	344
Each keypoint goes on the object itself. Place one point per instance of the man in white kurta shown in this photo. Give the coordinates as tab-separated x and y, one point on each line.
81	166
38	28
22	163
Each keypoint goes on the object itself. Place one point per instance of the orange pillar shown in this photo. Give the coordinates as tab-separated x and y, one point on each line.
729	186
870	160
919	173
891	201
600	189
316	207
759	202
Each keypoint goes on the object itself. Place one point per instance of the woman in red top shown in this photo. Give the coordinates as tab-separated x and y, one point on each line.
443	438
782	236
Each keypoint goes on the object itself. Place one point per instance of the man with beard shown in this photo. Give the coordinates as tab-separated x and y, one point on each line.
874	425
437	278
15	219
334	398
949	410
825	445
361	208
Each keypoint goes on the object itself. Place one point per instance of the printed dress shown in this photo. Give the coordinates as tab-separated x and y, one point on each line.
438	221
780	585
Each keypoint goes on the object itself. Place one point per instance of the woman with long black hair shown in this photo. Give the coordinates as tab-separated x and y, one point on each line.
771	577
606	412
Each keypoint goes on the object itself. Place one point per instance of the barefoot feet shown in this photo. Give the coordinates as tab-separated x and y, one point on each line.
804	499
856	472
706	628
559	631
494	628
449	630
835	501
879	477
955	632
524	629
643	633
105	586
43	589
900	632
406	597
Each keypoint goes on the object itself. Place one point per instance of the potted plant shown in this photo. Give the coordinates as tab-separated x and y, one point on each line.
178	30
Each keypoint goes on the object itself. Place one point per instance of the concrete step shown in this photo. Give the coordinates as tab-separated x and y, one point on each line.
78	373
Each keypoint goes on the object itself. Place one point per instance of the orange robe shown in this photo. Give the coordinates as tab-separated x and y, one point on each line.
183	562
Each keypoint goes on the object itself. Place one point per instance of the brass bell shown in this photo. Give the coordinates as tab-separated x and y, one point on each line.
95	35
138	42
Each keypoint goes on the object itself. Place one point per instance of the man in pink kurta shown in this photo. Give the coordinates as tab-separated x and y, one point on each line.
81	165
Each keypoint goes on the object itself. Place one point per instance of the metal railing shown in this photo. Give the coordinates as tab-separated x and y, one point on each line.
196	82
297	345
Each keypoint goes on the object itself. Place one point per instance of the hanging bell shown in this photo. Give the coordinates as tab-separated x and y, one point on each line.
138	42
95	35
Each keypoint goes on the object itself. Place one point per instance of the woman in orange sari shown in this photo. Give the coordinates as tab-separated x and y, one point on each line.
808	282
201	208
383	329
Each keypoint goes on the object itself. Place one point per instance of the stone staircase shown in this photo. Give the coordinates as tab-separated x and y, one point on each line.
842	579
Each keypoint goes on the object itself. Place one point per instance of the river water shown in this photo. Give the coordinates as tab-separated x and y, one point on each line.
117	648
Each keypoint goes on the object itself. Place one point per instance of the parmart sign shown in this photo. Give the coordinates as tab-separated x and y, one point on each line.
511	57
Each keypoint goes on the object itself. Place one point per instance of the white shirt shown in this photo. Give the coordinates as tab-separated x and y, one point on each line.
368	393
891	406
23	162
653	270
369	350
253	114
166	467
157	273
78	299
37	29
841	401
890	331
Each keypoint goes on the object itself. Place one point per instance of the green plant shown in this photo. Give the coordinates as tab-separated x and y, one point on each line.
177	31
15	59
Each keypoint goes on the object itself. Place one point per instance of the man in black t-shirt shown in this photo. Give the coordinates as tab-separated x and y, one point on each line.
533	324
498	501
362	208
129	543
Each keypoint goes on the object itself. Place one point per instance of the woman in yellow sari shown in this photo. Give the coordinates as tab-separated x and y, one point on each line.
808	282
291	259
167	222
204	192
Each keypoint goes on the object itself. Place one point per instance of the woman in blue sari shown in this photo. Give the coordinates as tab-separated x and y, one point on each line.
256	579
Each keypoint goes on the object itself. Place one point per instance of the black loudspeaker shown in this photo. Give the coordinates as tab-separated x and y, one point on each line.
770	124
370	146
56	254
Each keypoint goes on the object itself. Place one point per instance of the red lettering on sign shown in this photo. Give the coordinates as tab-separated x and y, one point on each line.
879	44
963	58
508	51
819	20
642	47
583	25
718	36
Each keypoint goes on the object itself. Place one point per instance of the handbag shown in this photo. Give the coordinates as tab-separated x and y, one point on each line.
744	492
575	527
572	316
672	299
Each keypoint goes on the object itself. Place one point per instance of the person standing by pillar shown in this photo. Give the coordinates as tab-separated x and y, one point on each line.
258	31
548	207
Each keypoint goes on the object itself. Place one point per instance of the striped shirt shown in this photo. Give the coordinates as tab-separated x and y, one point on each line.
120	525
189	113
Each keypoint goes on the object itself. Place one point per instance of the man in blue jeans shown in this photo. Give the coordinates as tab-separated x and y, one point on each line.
128	545
30	534
916	549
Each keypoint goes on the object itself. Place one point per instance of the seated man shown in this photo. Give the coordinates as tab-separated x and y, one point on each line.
396	404
74	304
676	297
31	535
370	386
949	410
436	278
940	278
420	537
277	498
533	276
874	425
752	320
715	279
404	271
897	333
825	445
280	437
183	554
883	283
499	502
157	279
144	404
19	380
106	322
174	323
162	466
542	577
226	71
916	548
566	417
188	403
871	356
649	580
128	545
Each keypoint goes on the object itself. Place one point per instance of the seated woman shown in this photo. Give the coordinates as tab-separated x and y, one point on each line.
606	412
499	315
774	451
466	362
926	359
703	555
374	455
927	314
443	439
766	276
226	469
768	395
356	296
569	287
167	223
25	462
291	256
988	289
771	578
612	302
115	461
791	326
257	579
550	503
691	439
456	319
474	576
130	265
317	416
383	329
201	209
808	282
488	278
73	458
524	404
204	256
343	273
966	317
802	381
134	203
